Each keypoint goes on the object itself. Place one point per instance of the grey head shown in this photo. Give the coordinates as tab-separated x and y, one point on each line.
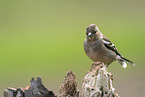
93	33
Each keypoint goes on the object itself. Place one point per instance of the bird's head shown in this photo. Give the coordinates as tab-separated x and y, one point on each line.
93	32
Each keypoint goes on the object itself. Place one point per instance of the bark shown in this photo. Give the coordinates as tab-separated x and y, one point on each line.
36	89
69	86
98	82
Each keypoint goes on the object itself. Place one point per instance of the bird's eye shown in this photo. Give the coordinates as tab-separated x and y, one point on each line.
95	31
86	33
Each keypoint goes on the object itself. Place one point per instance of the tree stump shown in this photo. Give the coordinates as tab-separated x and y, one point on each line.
36	89
98	82
69	86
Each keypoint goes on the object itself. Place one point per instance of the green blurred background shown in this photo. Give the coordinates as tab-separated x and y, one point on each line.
45	38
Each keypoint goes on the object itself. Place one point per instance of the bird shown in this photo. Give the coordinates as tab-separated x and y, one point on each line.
100	49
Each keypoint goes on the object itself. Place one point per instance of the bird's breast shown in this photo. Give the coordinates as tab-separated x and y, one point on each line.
97	52
92	49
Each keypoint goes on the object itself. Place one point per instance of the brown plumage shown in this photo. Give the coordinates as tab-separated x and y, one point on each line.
99	48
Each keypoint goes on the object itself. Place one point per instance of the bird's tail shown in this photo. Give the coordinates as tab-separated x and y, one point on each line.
123	61
128	61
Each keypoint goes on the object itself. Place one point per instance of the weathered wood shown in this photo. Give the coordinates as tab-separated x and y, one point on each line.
11	92
69	86
36	89
98	82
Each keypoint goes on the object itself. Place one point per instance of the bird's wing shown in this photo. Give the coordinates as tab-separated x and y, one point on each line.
108	44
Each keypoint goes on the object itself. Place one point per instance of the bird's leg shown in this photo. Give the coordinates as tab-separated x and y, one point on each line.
97	63
107	65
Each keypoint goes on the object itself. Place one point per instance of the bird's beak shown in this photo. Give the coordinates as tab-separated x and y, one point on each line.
90	34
